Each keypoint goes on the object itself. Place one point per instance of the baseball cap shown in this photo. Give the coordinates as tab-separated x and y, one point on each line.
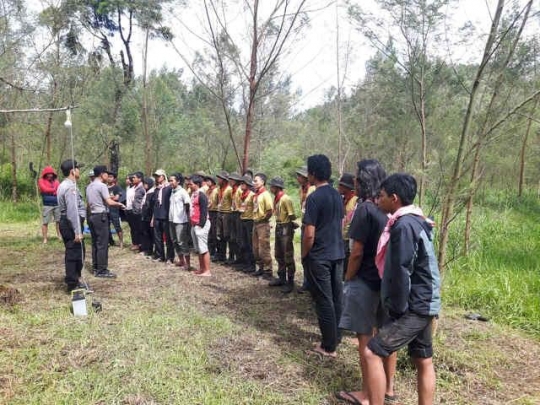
160	172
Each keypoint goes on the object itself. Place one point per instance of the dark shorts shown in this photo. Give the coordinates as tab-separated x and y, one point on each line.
114	218
410	329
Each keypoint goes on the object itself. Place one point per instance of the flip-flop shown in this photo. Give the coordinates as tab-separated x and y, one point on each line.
347	397
391	400
321	353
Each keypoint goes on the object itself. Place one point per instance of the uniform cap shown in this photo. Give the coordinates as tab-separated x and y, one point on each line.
277	182
347	180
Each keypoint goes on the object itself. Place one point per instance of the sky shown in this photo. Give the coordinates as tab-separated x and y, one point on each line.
312	63
312	60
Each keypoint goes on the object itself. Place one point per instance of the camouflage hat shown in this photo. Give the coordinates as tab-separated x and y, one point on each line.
277	182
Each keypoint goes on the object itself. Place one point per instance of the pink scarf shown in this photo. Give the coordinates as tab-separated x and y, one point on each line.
385	236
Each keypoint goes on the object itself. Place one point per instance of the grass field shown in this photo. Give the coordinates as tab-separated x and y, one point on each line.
166	337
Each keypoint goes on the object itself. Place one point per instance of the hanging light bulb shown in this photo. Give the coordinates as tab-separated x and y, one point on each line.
67	124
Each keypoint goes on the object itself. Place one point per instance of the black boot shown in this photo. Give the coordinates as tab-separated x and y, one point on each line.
289	287
278	282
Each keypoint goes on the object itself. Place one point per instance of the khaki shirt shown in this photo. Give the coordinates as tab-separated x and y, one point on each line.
212	199
284	210
225	200
349	211
262	203
246	207
236	199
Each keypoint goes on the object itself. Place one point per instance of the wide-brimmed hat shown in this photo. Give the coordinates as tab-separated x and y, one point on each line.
223	175
302	171
277	182
211	178
347	180
247	180
235	176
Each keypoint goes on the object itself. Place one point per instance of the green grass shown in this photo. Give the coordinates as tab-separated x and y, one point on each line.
501	276
24	211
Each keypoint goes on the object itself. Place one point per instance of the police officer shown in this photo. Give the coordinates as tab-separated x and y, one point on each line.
72	215
98	200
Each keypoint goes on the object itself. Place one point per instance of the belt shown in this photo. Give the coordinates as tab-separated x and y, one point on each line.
262	221
99	213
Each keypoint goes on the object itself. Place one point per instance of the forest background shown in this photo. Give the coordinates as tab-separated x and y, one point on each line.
452	101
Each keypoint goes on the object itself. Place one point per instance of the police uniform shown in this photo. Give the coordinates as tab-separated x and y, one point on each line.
97	195
72	215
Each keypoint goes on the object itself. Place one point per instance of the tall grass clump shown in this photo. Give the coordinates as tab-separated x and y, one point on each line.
25	210
500	277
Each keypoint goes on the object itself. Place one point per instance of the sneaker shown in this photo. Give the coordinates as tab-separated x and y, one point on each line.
158	259
85	286
302	290
105	274
258	273
267	276
248	269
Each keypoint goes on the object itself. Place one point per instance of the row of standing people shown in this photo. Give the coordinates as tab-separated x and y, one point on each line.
391	292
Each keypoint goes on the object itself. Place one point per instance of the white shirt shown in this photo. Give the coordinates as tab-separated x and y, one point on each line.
177	209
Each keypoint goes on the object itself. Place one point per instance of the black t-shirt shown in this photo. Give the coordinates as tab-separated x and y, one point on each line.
324	210
367	224
117	190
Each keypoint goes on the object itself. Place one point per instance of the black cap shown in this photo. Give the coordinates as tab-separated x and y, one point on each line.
277	182
69	164
347	180
99	170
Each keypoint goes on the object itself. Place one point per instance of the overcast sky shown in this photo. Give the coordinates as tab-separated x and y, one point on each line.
312	63
312	60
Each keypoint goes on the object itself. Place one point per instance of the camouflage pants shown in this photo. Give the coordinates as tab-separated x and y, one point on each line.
261	245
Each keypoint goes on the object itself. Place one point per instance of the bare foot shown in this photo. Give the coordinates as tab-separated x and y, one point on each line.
202	274
44	241
319	351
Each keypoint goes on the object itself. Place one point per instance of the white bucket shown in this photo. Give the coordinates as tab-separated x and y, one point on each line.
78	302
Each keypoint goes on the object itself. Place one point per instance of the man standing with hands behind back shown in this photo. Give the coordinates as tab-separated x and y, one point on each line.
72	214
98	200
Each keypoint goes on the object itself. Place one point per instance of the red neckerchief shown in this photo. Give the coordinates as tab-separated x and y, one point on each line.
278	197
244	194
235	187
260	191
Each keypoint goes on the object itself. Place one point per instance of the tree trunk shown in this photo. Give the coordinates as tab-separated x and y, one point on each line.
424	142
13	149
452	191
252	88
48	135
522	154
148	141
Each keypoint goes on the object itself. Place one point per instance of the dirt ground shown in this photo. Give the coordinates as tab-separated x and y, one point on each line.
476	362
